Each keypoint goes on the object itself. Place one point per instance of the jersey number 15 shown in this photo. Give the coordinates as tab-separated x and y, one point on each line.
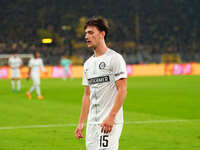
104	141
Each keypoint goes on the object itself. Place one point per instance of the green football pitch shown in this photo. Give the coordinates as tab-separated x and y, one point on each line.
160	113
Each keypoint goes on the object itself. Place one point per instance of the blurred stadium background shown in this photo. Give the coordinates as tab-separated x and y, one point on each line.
156	38
143	31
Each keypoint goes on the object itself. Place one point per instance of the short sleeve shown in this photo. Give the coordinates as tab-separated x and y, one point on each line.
84	79
118	67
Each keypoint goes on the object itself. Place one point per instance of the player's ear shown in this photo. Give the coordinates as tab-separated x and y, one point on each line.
103	33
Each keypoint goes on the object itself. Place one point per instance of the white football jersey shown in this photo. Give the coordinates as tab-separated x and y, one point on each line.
36	65
15	62
100	74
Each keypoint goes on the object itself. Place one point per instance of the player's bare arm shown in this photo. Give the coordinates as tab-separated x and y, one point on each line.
84	112
108	123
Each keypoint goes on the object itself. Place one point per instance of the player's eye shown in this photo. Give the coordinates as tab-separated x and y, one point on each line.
90	32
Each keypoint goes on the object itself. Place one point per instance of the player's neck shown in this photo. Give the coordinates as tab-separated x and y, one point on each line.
100	50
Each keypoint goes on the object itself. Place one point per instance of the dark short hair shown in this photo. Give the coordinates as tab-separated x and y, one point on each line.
100	23
35	52
14	51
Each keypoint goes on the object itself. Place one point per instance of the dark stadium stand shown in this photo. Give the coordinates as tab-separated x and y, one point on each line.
141	34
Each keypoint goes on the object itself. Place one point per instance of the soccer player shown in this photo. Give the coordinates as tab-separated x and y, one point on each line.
15	63
66	64
35	64
104	80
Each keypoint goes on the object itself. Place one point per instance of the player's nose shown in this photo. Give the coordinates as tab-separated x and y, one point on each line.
86	37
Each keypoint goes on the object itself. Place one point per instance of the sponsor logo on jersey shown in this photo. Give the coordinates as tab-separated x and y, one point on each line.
102	65
99	80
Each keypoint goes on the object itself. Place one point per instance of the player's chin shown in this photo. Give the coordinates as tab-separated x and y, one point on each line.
90	46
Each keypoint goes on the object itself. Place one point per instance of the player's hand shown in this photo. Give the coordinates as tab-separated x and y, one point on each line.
28	77
107	124
79	130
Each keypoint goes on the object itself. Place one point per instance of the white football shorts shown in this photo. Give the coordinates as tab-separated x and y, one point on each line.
15	73
95	140
36	79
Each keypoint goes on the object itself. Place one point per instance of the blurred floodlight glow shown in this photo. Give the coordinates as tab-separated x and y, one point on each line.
47	40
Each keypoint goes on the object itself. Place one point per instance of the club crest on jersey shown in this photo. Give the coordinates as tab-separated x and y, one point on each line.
102	65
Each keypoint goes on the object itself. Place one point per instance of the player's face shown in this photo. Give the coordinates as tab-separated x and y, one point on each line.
37	55
15	55
93	36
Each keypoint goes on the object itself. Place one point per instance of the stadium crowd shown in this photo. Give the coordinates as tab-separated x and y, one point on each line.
165	31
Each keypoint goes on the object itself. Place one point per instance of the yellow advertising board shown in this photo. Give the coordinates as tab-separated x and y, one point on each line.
196	69
148	70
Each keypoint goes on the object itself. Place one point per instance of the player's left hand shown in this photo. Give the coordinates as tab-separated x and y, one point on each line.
28	77
107	124
79	130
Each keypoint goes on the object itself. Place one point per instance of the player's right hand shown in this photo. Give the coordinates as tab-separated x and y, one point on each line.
79	130
28	77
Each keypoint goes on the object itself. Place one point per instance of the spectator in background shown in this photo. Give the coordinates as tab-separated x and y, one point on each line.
15	63
66	63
